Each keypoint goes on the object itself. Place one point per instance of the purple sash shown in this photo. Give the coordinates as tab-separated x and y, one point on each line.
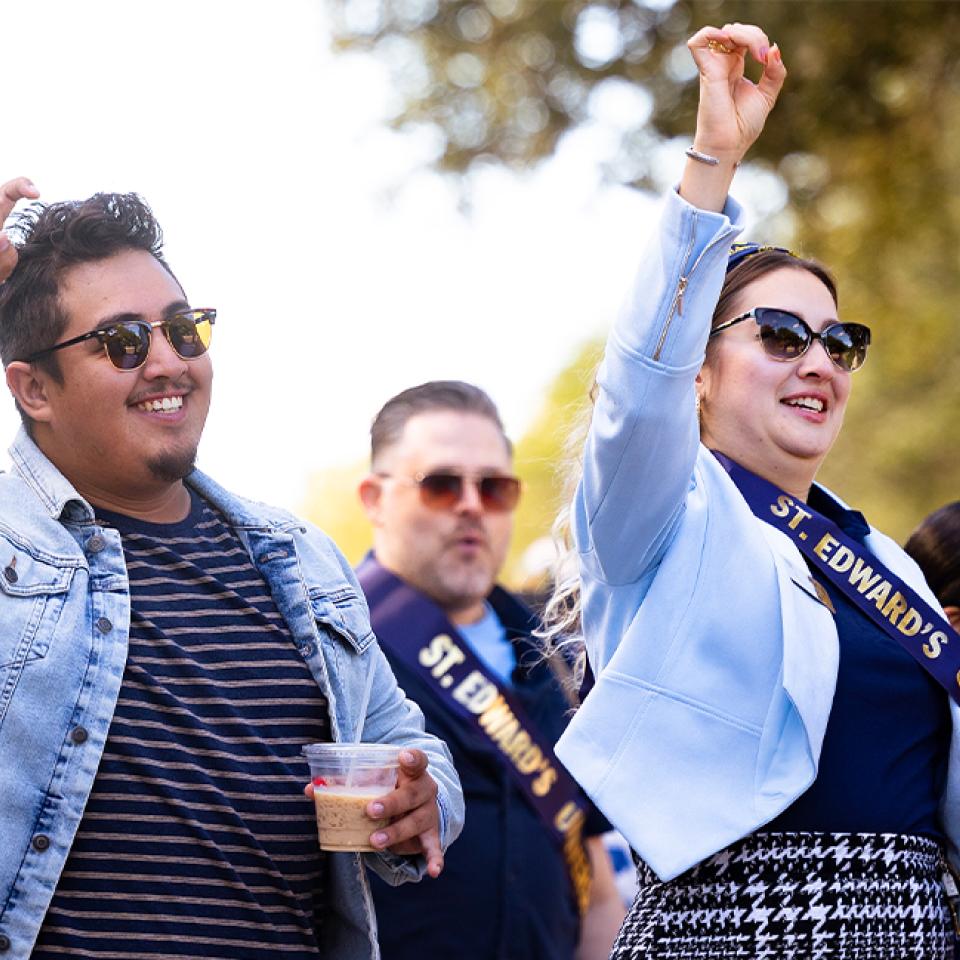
878	593
417	632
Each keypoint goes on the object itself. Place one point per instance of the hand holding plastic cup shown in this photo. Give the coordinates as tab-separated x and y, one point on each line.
346	777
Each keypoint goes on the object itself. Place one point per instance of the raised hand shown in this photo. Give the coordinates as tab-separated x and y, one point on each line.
733	109
10	193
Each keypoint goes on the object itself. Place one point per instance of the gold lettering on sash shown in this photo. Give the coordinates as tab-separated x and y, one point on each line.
482	698
862	576
569	821
825	546
842	560
801	514
530	760
496	715
506	733
518	746
932	647
896	606
541	786
433	652
782	506
565	816
880	593
911	623
441	655
475	692
503	728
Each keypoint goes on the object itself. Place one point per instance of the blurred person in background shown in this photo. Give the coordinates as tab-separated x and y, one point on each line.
935	545
167	647
774	720
529	879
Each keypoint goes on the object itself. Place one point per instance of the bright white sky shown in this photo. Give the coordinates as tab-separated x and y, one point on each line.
288	206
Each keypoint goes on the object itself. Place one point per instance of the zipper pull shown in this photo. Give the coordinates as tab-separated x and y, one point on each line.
681	288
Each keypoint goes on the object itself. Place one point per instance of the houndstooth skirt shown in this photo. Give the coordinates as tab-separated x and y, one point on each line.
796	896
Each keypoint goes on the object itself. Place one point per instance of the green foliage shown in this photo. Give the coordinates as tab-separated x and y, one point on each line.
866	137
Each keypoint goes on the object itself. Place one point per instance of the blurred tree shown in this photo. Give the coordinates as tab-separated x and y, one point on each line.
333	505
866	137
545	458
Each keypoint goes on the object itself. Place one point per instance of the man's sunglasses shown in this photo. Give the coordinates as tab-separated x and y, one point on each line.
785	336
127	342
443	491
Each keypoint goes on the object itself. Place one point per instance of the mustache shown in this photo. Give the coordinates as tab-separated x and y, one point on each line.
470	530
181	385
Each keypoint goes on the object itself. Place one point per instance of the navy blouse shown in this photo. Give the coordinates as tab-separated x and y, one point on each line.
884	761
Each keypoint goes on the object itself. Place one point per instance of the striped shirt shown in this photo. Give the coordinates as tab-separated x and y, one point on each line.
197	840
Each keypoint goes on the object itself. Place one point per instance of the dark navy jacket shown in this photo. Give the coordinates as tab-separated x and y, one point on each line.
504	893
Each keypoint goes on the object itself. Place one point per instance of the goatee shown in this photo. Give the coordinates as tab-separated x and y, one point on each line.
173	465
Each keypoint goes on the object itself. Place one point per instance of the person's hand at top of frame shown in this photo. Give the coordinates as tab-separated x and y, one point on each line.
13	190
732	110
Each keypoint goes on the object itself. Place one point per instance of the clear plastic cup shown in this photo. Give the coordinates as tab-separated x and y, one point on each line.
346	777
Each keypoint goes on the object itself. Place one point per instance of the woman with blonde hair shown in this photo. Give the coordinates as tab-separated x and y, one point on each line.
774	702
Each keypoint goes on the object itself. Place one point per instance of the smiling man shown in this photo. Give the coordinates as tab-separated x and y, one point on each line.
167	647
529	879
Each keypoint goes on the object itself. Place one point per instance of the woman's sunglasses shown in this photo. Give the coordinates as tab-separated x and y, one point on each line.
443	491
785	336
127	342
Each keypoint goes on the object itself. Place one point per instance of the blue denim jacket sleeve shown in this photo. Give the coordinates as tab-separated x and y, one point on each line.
322	603
393	718
644	435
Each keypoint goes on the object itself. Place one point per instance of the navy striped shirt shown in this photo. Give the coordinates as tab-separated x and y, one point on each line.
197	840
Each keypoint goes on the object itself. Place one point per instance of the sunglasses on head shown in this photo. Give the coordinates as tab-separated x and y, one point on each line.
740	251
127	342
444	490
785	336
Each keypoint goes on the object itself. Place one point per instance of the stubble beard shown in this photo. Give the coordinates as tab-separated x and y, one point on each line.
456	589
172	466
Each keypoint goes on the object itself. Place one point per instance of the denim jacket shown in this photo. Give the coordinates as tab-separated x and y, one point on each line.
715	666
64	623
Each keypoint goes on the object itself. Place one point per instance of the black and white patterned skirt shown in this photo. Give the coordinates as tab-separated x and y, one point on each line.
787	896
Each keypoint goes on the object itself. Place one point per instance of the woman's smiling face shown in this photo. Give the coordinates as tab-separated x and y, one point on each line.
778	419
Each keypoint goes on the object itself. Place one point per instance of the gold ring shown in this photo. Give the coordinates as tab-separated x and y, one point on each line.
719	47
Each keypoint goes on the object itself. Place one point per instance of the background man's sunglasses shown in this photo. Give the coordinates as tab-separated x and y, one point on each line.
127	342
785	336
443	491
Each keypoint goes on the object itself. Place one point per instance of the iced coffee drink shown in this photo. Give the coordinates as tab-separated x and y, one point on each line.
346	777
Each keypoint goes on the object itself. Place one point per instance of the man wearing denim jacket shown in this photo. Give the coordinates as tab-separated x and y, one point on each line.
167	648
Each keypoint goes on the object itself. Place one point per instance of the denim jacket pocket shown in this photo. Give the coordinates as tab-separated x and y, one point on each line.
32	593
344	614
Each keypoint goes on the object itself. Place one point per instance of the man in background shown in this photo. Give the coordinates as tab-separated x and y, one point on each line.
167	647
529	877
